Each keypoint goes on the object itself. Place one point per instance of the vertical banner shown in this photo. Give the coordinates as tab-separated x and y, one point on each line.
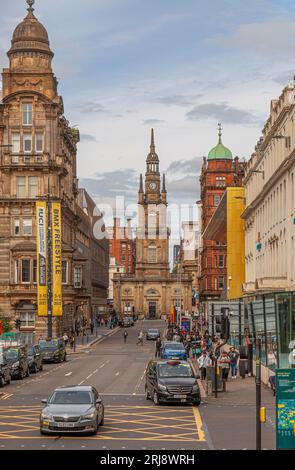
56	259
41	258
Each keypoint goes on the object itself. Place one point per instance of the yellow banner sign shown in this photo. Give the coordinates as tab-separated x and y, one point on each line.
41	258
56	259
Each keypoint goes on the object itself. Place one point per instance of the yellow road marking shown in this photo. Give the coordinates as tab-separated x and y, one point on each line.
199	425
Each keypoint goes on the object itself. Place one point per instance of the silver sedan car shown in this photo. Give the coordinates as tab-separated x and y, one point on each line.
77	409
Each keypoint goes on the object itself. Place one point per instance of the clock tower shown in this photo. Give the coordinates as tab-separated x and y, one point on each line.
152	243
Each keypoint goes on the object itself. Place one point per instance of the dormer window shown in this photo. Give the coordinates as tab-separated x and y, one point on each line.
27	114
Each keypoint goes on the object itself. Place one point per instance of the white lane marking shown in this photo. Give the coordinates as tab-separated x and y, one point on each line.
117	373
102	365
68	374
96	370
90	375
81	382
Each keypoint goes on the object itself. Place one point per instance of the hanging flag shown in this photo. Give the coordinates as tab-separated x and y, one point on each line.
41	258
56	259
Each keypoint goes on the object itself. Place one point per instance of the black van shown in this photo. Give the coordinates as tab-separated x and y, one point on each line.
17	359
172	381
54	350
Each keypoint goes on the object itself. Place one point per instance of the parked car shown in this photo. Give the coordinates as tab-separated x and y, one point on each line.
173	350
126	322
172	381
54	350
35	357
17	359
153	333
77	409
5	373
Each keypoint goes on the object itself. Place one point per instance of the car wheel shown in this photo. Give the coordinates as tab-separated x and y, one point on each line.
102	420
35	369
96	428
156	399
2	382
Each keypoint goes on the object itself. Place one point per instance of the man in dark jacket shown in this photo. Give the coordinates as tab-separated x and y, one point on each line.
158	347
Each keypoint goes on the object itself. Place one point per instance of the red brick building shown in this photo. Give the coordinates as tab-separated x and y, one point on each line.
219	171
122	245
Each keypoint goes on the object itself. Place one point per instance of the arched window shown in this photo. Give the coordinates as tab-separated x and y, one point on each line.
152	253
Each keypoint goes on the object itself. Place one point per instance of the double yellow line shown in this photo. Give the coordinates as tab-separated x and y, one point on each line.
5	396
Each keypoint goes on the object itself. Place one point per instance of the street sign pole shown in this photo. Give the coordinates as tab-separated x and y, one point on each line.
258	393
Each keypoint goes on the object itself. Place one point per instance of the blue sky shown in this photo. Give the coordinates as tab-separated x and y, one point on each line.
180	66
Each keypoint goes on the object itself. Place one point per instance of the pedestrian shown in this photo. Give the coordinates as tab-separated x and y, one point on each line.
234	357
224	363
91	327
72	340
204	361
158	347
125	334
101	322
65	338
140	338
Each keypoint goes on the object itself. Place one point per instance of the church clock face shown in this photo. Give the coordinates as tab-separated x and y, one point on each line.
152	185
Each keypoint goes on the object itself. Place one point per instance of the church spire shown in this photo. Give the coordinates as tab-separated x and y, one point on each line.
219	133
152	156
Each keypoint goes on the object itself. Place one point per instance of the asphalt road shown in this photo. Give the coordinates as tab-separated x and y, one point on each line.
131	422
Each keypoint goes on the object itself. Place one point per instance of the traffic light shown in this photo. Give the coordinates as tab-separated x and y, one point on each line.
17	324
222	323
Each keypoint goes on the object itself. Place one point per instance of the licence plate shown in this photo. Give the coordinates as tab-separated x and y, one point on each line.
180	396
65	425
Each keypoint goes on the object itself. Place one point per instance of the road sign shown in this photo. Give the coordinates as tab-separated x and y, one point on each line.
285	408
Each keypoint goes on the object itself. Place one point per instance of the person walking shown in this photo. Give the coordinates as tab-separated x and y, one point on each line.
234	357
125	334
91	327
65	338
72	340
158	347
224	363
204	361
140	338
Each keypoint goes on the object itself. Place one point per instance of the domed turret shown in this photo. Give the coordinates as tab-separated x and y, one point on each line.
30	35
220	152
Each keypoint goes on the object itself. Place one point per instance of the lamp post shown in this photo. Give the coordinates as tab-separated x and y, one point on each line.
258	393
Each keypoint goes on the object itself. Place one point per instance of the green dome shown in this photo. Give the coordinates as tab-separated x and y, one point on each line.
220	152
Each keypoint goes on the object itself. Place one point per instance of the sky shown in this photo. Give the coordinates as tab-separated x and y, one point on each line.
180	67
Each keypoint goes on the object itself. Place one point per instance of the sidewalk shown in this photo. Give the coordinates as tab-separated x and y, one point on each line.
82	344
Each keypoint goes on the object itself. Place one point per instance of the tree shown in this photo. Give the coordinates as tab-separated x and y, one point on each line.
6	327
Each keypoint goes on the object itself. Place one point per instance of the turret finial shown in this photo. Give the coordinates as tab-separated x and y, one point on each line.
30	3
152	140
219	133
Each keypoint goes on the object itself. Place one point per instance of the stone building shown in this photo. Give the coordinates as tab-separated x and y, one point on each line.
152	290
37	157
219	171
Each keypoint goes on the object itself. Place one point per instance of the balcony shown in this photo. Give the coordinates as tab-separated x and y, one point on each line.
25	160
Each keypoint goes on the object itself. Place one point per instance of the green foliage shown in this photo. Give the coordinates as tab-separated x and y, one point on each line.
6	327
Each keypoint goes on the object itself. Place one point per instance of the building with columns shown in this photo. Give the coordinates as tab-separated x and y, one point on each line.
38	150
152	290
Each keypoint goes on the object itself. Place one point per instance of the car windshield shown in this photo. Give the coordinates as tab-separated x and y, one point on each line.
53	344
175	370
153	331
174	346
64	397
11	353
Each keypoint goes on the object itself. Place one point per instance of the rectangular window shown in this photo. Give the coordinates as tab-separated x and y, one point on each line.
27	319
64	278
27	226
35	271
33	186
16	227
15	140
220	261
220	283
27	142
39	142
21	186
25	271
27	114
78	277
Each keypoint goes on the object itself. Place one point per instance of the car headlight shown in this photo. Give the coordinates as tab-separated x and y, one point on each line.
162	387
89	416
45	416
16	364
